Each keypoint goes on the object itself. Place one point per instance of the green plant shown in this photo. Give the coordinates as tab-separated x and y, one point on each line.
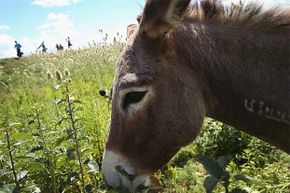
72	130
218	174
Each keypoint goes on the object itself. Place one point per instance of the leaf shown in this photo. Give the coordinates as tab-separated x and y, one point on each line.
60	121
21	136
57	86
2	143
223	161
124	173
210	183
36	134
31	122
7	188
51	133
243	177
37	166
29	156
78	109
35	149
60	161
89	188
211	166
5	172
70	154
14	124
69	132
59	141
16	190
93	165
18	143
121	170
22	175
73	176
32	189
141	188
58	101
238	190
77	101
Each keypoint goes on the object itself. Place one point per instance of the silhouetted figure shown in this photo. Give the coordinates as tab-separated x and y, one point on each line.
18	49
69	44
44	49
60	47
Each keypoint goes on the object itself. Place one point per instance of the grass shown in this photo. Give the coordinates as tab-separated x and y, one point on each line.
53	126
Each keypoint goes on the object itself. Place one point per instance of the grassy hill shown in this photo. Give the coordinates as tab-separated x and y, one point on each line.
53	126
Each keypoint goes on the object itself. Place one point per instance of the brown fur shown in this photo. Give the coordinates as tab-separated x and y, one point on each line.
251	16
241	54
210	61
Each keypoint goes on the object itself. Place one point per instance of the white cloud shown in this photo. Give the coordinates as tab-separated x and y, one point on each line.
7	46
58	24
4	27
6	39
55	30
54	3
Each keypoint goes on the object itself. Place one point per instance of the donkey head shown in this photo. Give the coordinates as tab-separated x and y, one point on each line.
157	102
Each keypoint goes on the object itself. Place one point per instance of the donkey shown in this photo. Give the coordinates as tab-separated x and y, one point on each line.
185	61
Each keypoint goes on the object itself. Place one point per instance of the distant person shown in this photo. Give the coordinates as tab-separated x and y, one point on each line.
18	49
59	47
69	44
44	49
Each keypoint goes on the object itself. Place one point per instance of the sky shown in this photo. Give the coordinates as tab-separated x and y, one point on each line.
31	22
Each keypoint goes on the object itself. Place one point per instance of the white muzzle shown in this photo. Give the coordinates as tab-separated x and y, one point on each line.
115	179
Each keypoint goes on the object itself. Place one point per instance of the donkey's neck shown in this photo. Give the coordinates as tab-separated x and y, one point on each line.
245	77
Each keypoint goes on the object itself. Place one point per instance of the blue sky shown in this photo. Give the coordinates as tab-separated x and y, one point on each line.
33	21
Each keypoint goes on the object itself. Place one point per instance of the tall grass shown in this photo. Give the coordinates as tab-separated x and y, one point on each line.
53	121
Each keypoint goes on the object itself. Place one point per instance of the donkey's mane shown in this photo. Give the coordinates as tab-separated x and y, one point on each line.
250	16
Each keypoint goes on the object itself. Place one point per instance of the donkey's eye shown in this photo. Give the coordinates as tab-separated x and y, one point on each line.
132	98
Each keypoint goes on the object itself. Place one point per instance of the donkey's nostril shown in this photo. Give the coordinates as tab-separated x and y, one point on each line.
132	98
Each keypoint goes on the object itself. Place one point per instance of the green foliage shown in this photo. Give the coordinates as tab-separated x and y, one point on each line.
254	165
56	127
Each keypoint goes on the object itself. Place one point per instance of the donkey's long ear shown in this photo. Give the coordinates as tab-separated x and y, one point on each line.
131	29
160	16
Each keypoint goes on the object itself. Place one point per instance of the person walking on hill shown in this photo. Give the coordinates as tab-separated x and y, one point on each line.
69	44
59	47
44	49
18	49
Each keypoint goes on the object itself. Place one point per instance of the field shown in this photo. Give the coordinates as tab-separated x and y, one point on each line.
54	123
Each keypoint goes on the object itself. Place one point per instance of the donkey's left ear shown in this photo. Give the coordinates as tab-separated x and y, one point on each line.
160	16
131	29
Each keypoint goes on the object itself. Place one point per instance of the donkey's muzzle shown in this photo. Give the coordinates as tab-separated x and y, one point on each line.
118	172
